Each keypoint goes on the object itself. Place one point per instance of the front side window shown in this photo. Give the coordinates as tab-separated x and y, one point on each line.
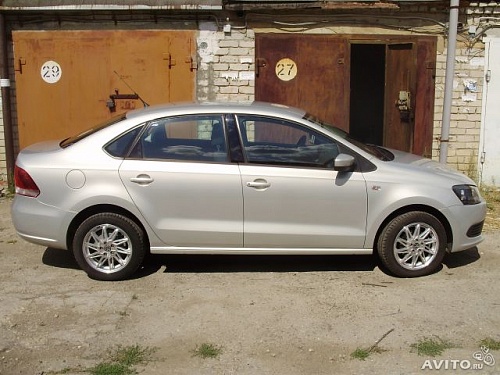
190	137
269	140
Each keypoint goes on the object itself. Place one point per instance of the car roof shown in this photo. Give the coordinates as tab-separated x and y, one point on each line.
216	107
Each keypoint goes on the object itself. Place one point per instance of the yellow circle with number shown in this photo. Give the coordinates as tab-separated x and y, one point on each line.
286	69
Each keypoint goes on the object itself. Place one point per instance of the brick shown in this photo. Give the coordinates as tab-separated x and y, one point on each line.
228	43
229	90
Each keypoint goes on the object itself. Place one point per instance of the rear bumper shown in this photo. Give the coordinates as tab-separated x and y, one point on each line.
39	223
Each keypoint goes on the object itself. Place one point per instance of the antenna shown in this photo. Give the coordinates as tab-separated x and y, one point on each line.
138	97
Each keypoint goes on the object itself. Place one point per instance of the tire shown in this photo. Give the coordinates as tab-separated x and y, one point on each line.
412	244
109	246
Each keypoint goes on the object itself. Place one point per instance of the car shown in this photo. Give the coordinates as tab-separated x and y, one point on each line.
238	178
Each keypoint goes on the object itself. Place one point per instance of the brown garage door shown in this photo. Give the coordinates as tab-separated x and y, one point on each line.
383	93
64	78
305	71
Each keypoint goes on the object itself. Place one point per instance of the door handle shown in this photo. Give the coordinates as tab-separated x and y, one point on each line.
259	184
142	179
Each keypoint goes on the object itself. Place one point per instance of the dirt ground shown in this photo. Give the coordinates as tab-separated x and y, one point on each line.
270	315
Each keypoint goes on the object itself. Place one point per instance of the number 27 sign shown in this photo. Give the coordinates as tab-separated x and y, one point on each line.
286	69
51	72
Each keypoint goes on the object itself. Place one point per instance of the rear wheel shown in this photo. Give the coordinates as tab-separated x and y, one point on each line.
412	244
109	246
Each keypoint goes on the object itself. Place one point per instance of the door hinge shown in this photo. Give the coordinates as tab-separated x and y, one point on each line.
170	61
259	63
20	63
193	64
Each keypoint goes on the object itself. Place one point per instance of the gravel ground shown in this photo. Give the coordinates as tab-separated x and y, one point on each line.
269	315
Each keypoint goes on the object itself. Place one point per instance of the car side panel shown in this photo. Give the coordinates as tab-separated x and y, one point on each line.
188	204
303	208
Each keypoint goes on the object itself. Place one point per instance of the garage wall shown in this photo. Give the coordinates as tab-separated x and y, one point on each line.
226	70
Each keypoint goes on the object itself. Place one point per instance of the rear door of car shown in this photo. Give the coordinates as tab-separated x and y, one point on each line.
292	196
180	178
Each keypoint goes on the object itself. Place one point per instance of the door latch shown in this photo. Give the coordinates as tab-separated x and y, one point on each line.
404	105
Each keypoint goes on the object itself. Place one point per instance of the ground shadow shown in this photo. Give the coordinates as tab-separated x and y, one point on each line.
263	263
255	263
462	258
59	258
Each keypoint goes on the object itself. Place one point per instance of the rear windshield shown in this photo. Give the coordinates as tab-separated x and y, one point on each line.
72	140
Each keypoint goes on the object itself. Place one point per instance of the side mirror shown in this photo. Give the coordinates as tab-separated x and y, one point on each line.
344	163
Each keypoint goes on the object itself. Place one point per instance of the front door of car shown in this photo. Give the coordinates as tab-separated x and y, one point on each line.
292	196
180	180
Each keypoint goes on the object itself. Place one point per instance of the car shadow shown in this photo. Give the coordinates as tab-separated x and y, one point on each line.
263	263
255	263
461	258
59	258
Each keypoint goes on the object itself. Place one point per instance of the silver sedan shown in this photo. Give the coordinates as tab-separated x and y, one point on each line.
238	179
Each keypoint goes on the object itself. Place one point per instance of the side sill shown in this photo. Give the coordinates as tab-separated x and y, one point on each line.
257	251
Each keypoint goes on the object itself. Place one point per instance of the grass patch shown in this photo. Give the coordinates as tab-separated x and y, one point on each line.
109	368
360	354
431	347
120	361
207	350
490	343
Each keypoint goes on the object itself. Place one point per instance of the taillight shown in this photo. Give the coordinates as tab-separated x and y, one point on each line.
24	183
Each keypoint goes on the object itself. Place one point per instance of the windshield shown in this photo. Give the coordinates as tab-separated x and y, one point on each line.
72	140
377	151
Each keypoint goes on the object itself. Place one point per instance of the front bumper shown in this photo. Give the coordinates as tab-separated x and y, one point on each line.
466	224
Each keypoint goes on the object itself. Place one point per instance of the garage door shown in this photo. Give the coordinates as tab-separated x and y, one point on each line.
64	79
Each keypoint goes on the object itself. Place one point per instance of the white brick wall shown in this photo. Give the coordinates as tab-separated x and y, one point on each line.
227	75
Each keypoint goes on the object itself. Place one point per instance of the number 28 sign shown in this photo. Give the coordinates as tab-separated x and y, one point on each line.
51	72
286	69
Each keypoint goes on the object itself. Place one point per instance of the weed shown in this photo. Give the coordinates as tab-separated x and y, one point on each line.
109	368
360	354
431	347
119	362
131	355
207	350
490	343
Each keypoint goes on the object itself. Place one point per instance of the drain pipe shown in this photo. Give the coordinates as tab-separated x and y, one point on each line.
448	83
6	107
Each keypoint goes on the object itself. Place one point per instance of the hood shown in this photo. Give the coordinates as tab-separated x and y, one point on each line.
421	164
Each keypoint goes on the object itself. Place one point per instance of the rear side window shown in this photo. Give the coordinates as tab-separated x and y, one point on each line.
190	137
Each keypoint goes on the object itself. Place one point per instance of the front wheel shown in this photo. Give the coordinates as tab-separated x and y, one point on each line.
412	244
109	246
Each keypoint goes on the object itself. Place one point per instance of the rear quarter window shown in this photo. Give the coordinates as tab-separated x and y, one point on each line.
120	146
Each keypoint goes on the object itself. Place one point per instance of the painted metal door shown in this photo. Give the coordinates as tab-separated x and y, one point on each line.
313	72
305	71
490	132
64	79
399	96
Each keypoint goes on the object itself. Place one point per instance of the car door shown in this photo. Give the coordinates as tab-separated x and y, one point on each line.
179	177
292	196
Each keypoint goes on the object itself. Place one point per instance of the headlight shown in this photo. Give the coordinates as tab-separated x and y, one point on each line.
468	194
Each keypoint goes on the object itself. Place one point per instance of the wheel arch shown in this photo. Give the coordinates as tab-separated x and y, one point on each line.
100	208
417	207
